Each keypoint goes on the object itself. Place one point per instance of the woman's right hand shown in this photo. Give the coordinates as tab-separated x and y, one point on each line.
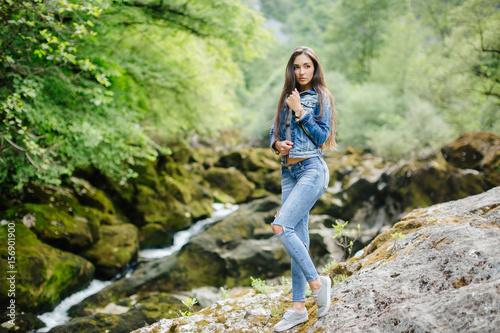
284	146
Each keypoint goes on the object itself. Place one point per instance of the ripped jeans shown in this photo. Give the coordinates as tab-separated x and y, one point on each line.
302	184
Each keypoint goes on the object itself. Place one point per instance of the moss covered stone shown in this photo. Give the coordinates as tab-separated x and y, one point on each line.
154	235
55	226
117	246
146	308
91	196
231	181
45	275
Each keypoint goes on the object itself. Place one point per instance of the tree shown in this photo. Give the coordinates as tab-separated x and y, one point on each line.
91	82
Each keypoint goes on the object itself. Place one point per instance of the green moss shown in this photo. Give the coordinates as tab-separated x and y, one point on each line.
55	227
154	235
117	247
44	275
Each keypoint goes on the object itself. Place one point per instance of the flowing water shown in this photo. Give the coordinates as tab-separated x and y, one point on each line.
60	314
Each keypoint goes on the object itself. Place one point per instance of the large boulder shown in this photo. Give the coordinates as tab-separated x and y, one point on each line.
44	275
476	150
55	226
117	246
437	270
429	180
231	182
125	315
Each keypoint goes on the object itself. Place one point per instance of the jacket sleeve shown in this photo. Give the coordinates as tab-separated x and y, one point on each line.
318	130
272	139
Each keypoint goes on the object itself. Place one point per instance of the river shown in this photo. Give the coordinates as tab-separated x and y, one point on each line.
60	316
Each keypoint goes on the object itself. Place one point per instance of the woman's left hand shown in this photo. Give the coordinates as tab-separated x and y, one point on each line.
293	101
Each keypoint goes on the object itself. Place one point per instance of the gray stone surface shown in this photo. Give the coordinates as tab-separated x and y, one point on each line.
443	276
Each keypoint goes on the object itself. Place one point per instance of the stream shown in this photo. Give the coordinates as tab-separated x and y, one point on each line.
60	316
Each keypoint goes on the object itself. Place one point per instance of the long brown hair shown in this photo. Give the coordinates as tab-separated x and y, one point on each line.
319	85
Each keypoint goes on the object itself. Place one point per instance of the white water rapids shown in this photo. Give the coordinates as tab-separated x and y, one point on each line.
60	316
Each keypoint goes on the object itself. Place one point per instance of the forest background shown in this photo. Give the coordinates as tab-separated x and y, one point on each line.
112	83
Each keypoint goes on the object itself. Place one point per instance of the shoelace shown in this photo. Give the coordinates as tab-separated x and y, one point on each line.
287	314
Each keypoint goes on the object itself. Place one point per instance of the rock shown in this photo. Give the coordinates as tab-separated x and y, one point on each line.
45	275
135	311
226	254
429	180
57	196
55	227
117	247
206	296
90	196
231	182
439	273
476	150
154	235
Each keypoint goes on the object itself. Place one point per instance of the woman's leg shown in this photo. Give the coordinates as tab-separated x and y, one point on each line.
291	221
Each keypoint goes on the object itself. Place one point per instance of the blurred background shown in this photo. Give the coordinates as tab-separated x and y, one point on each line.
134	159
110	82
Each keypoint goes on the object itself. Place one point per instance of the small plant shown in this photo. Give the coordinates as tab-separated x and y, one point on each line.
339	278
286	281
277	310
190	302
344	238
398	234
327	267
224	292
260	285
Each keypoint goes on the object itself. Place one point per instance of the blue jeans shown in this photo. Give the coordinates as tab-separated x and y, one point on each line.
302	184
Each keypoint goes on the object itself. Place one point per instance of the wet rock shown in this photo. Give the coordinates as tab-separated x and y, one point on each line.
54	226
231	182
154	235
132	314
437	270
45	275
117	246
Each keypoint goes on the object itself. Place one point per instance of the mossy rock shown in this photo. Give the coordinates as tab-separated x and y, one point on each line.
265	258
90	196
230	181
431	180
154	235
197	266
55	227
45	275
57	196
250	159
144	310
471	150
118	246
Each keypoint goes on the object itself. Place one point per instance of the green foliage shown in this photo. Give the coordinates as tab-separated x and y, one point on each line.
260	285
398	234
339	278
93	82
328	266
189	303
406	76
346	238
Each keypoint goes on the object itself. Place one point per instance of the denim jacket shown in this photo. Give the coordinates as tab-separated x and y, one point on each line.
308	133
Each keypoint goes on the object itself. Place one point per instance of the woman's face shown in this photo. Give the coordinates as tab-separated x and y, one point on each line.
303	68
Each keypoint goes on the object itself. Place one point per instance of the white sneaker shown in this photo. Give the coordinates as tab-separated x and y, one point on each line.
322	296
290	319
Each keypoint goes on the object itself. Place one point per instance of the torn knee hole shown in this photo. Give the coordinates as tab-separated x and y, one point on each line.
277	229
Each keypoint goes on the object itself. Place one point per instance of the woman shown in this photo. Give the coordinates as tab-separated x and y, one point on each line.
304	124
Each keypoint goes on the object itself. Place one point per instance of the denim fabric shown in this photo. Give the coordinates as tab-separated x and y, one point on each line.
318	130
302	184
